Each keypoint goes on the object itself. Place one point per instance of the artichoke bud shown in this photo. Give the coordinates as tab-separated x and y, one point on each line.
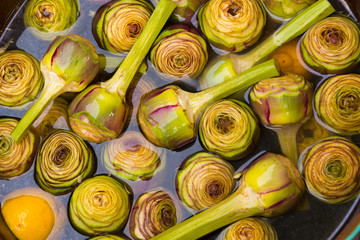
229	128
164	119
153	213
282	100
179	52
118	24
92	113
276	181
100	204
16	158
337	103
331	169
63	161
73	59
248	229
232	25
48	18
203	180
332	45
286	8
20	78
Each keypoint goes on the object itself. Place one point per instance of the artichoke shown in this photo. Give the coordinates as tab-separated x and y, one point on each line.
100	204
283	104
16	158
69	64
132	157
179	52
271	185
109	237
229	128
167	116
332	45
227	66
232	25
48	18
153	213
286	8
117	24
99	113
20	78
337	103
247	229
331	169
63	161
203	180
54	117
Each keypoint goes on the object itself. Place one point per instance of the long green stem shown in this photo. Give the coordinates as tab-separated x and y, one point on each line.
287	139
296	26
122	78
198	101
240	204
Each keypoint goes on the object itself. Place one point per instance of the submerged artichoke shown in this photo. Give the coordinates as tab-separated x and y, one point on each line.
118	24
203	180
132	157
270	186
286	8
283	104
100	204
247	229
153	213
20	78
48	18
54	117
337	103
167	116
15	158
69	64
332	45
63	161
232	25
229	128
331	169
99	113
179	52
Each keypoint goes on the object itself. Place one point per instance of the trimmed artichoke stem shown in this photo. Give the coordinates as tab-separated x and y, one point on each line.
287	140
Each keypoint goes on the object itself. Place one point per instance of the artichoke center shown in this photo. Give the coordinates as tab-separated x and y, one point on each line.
335	168
61	155
45	14
224	124
12	73
6	144
349	103
132	145
166	216
134	30
332	36
214	189
234	9
247	233
100	199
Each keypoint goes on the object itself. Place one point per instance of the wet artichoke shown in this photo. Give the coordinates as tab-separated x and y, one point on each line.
331	169
109	237
179	52
153	213
132	157
286	8
63	161
20	78
100	204
167	116
226	66
16	158
270	186
69	64
283	104
99	113
229	128
48	18
247	229
337	103
203	180
54	117
332	45
232	25
117	24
